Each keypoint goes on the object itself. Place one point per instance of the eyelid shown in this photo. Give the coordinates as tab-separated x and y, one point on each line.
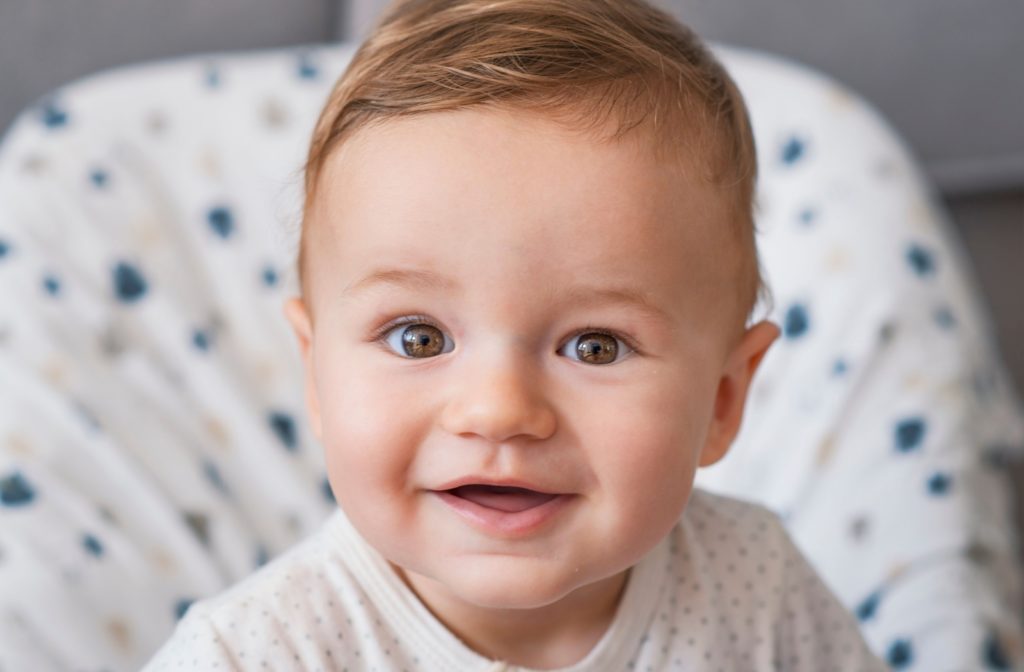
381	331
380	335
593	329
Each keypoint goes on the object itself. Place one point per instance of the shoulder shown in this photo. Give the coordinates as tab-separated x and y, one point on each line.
727	538
713	519
280	588
733	556
744	572
307	595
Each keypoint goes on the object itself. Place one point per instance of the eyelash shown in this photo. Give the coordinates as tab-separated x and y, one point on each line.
380	334
593	329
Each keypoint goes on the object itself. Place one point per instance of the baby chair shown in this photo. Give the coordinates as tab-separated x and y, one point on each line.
153	441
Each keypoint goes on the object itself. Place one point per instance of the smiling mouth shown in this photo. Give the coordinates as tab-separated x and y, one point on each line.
505	511
502	498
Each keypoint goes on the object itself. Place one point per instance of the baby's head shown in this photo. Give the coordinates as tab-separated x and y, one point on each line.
527	261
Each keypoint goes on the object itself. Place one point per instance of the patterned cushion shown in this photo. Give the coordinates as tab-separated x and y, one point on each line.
153	442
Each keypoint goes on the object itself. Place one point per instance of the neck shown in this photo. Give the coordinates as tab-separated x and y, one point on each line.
555	635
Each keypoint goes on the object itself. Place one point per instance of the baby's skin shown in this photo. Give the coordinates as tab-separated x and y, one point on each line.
520	343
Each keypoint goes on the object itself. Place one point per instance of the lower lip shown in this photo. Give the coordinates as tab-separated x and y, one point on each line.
505	523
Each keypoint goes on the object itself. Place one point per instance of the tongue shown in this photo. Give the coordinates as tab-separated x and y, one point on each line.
509	500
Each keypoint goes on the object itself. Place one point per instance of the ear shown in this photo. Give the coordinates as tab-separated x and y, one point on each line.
298	316
731	396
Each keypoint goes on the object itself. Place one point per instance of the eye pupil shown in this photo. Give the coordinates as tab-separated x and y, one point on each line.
597	348
422	340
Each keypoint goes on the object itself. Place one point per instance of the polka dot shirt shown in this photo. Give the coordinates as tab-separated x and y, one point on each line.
726	590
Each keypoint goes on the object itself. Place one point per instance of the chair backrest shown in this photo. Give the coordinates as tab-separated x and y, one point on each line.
956	59
151	396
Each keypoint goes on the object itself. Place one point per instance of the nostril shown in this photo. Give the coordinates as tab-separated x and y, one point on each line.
500	405
500	420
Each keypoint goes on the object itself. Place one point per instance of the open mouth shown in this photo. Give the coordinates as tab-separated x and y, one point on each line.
504	511
501	497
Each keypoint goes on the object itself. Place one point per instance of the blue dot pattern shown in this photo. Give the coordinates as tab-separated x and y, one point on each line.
269	276
181	607
793	151
910	434
211	76
939	484
307	67
92	545
884	394
920	259
163	350
213	476
284	427
51	284
796	321
129	283
99	178
53	115
326	489
15	491
994	656
901	654
222	221
867	608
201	339
944	317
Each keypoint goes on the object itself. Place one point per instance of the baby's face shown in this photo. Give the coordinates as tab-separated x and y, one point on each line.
498	301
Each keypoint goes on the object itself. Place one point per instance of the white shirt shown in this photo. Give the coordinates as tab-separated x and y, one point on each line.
725	590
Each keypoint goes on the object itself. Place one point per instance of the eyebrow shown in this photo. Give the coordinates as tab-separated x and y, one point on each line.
400	277
431	280
624	296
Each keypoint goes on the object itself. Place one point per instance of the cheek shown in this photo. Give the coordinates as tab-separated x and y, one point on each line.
370	431
650	445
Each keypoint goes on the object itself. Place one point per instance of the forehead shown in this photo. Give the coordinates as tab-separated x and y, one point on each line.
503	152
499	192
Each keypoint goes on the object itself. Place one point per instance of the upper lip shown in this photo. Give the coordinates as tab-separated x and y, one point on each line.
503	482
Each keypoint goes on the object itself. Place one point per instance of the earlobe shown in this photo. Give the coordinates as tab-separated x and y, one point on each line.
731	396
298	316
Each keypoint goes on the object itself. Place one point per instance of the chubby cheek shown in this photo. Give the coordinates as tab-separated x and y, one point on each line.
646	458
370	436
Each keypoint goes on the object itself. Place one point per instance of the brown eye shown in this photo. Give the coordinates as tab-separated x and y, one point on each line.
596	348
421	340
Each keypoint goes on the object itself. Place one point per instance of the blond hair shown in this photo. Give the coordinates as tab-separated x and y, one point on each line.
581	62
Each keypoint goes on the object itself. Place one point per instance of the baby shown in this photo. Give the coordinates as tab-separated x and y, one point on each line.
527	270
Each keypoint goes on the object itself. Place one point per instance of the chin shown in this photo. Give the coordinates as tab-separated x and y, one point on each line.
511	588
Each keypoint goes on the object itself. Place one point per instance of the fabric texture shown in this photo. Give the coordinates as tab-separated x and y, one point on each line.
726	589
153	443
880	425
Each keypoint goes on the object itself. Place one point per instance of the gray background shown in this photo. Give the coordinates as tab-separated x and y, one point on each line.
946	73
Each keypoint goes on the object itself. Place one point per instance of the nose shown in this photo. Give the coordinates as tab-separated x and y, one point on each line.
499	401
